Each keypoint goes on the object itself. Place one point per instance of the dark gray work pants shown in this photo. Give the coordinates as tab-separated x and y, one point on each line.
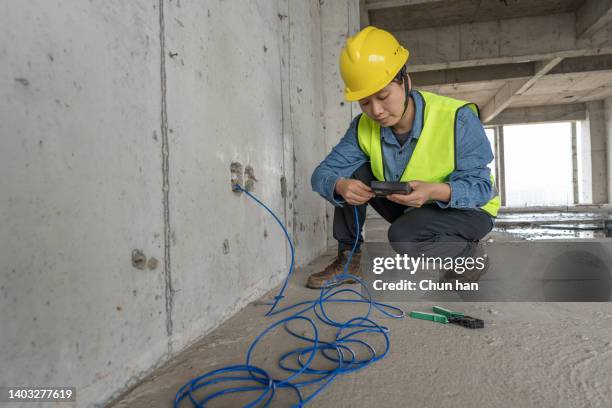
428	230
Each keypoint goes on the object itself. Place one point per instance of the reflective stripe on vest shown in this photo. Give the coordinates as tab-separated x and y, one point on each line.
433	159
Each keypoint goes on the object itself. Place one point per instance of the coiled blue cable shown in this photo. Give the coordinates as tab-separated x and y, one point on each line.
346	335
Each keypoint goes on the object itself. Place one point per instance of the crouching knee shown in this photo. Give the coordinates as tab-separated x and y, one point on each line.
402	240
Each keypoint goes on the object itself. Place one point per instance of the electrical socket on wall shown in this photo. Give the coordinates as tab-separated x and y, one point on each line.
250	179
236	176
245	178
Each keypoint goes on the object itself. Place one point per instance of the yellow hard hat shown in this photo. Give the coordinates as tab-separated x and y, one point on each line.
369	61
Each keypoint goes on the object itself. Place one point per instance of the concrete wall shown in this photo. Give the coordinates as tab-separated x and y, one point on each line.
305	126
119	122
339	20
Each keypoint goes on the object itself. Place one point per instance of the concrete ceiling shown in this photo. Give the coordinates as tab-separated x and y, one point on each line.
551	89
504	54
422	14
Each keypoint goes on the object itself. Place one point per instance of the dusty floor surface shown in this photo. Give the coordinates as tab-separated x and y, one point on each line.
528	355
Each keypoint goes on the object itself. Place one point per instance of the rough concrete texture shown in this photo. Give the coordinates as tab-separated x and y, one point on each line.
583	156
120	121
594	128
608	132
339	20
306	126
500	42
436	13
81	189
528	354
541	114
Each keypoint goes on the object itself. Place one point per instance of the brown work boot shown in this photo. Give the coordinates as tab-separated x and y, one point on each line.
317	280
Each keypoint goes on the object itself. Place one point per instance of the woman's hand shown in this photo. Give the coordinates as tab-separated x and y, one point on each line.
421	193
353	191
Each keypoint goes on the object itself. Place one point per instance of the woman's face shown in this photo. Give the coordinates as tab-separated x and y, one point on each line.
385	106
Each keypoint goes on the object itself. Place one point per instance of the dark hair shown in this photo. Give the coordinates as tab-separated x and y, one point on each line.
399	77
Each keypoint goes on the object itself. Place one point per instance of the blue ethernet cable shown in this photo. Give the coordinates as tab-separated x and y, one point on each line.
337	351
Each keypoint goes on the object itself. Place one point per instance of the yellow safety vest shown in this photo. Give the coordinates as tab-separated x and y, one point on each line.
433	159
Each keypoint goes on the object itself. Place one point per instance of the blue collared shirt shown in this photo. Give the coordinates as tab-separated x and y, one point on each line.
470	182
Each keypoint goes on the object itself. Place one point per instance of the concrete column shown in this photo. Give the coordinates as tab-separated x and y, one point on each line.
594	129
583	154
608	132
575	164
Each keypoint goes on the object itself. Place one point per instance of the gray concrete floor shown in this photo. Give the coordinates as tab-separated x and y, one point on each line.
528	354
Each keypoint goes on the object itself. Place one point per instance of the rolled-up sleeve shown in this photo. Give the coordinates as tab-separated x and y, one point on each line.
341	162
470	182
